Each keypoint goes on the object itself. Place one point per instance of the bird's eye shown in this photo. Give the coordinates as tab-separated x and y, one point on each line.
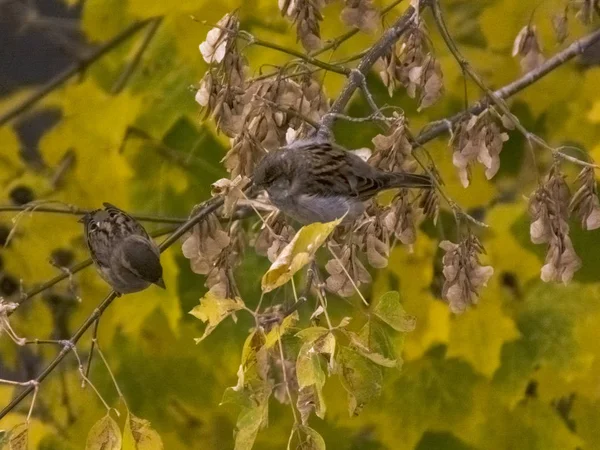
112	215
93	227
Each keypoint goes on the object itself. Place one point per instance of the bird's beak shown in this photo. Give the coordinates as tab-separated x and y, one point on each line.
160	283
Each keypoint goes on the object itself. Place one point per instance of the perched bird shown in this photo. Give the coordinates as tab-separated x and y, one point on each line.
124	254
320	182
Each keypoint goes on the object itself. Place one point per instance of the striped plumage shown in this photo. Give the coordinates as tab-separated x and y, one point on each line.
320	182
124	254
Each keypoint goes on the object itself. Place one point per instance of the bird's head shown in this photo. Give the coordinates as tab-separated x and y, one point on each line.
273	171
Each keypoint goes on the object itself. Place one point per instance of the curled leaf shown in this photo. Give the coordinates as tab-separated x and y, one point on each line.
297	254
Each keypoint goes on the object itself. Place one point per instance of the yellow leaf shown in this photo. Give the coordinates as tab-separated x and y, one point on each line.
139	435
10	161
104	435
213	309
18	438
297	254
478	337
314	441
280	329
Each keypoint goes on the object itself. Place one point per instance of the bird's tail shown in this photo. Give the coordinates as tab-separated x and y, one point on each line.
408	180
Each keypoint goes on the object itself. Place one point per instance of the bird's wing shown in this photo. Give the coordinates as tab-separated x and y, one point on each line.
335	171
141	257
133	226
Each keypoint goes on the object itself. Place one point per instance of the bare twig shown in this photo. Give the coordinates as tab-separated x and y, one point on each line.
137	56
61	355
66	274
576	48
73	210
65	75
357	76
335	43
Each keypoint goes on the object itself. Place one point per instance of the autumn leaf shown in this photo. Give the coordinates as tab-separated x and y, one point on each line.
297	254
214	309
139	435
104	435
478	337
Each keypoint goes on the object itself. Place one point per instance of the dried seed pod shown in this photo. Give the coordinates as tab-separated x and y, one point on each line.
415	67
527	45
306	14
393	151
585	203
274	236
549	211
338	281
219	39
204	244
464	275
400	219
361	14
560	25
377	240
586	9
231	191
477	138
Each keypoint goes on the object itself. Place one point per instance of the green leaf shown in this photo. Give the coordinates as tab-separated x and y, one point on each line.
214	309
373	343
297	254
311	334
104	435
312	441
248	424
361	378
309	367
390	310
139	435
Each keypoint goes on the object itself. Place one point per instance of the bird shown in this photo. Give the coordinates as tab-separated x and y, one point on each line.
313	181
122	251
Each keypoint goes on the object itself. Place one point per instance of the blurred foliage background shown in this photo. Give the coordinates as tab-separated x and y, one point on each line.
519	371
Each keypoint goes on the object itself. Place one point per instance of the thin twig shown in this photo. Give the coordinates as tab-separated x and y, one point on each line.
445	125
88	365
61	355
335	43
291	112
66	274
73	210
65	75
130	67
252	40
357	76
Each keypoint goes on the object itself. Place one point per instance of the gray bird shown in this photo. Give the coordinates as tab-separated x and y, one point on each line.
124	254
320	182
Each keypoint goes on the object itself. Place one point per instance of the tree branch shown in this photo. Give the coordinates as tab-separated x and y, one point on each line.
357	76
74	210
68	345
137	56
64	275
577	47
74	69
